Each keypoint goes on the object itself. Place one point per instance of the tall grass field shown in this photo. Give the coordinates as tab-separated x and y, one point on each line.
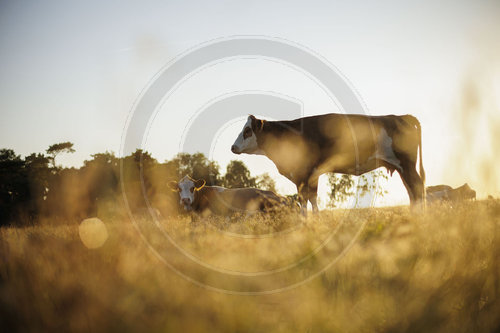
361	270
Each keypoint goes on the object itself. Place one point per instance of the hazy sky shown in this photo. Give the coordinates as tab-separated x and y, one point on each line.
71	71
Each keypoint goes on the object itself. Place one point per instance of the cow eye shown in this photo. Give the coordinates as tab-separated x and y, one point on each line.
192	189
247	133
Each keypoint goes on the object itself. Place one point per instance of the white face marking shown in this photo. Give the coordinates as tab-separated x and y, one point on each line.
246	142
186	192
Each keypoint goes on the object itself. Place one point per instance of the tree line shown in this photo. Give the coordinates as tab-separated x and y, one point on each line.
36	187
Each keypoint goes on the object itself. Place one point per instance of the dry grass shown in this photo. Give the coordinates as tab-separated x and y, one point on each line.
433	272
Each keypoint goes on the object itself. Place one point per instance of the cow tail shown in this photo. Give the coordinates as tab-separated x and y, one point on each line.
414	121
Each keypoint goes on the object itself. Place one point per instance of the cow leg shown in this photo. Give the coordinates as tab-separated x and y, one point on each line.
416	185
313	198
303	195
408	188
312	194
413	184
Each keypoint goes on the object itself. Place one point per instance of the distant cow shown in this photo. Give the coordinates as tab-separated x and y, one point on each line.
197	197
305	148
463	192
438	192
447	193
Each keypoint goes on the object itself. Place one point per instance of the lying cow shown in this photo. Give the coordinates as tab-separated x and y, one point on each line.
463	192
438	192
197	197
447	193
305	148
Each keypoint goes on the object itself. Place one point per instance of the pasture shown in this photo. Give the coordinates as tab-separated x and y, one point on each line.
403	272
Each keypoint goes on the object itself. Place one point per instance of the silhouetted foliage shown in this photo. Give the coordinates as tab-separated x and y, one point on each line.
14	186
58	148
100	178
39	178
265	182
238	175
35	188
342	186
197	166
107	158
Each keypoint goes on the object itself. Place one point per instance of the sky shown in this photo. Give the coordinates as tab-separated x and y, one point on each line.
72	71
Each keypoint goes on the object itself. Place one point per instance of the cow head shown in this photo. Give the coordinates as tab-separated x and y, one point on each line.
468	192
246	142
187	188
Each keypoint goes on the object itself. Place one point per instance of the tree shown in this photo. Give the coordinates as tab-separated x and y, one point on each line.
195	165
143	159
99	181
101	174
237	175
369	183
265	182
58	148
342	187
106	158
14	187
134	166
39	176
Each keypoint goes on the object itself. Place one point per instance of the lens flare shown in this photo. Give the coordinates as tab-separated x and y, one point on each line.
93	233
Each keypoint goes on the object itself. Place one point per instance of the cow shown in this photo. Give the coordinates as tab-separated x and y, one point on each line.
447	193
438	192
463	192
196	197
305	148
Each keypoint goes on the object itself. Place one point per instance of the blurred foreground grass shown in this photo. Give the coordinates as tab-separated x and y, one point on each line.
436	272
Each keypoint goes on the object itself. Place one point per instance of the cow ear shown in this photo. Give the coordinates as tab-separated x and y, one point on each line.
257	124
199	184
173	185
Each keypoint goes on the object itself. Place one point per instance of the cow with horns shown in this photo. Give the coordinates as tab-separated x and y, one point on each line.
195	197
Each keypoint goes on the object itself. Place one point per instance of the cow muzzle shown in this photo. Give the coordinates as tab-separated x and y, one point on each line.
235	149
